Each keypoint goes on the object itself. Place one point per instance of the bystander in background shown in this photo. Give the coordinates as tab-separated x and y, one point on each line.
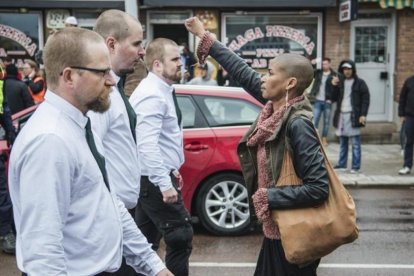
352	95
206	71
406	113
322	94
34	80
16	91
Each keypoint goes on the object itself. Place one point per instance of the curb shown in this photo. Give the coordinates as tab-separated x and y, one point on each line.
382	181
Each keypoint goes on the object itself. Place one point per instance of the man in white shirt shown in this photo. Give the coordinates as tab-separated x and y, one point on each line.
116	127
68	219
160	210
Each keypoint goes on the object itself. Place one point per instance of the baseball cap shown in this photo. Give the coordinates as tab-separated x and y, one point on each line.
71	20
346	65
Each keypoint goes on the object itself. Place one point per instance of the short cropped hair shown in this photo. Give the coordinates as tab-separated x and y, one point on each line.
65	48
114	23
156	51
326	59
296	66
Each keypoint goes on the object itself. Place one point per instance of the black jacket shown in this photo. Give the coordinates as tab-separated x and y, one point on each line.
17	93
328	87
406	103
6	120
360	97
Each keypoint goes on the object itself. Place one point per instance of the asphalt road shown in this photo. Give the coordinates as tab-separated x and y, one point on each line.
385	245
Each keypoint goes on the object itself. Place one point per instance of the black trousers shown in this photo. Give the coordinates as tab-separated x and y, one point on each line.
272	261
6	210
157	219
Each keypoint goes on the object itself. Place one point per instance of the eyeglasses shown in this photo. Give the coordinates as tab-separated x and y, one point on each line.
105	72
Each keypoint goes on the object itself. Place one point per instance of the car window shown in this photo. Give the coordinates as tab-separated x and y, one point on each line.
221	111
191	115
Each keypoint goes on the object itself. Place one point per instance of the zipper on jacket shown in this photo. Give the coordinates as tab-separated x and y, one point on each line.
251	157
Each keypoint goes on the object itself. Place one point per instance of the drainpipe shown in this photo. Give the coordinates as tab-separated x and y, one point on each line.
131	7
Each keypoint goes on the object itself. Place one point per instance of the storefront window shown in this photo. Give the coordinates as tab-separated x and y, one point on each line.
257	38
19	36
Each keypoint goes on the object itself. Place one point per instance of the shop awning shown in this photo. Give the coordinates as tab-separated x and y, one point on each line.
397	4
72	4
239	3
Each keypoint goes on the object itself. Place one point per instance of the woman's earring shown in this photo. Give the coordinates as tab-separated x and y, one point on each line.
287	97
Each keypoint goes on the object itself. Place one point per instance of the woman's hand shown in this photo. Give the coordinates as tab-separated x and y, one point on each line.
195	26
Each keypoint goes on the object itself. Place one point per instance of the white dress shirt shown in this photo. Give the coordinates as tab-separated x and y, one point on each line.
159	137
67	221
122	163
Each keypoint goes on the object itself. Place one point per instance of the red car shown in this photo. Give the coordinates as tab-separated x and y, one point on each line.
214	120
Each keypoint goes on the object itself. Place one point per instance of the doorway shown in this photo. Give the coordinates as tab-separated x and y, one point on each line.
372	50
175	32
169	24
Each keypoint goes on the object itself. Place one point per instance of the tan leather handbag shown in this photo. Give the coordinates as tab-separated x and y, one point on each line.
308	234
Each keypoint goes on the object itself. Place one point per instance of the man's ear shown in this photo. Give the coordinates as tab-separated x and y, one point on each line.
157	65
67	75
110	42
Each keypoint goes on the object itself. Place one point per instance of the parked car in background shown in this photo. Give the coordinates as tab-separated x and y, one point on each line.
214	120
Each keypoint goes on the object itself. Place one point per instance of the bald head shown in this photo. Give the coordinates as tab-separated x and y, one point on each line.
115	23
296	66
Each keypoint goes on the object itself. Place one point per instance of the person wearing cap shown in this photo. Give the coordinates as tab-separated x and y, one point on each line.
205	77
71	21
352	96
16	91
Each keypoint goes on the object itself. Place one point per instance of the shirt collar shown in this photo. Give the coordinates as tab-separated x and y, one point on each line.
115	77
67	108
165	86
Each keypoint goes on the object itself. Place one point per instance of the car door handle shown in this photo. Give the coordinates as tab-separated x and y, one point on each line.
195	147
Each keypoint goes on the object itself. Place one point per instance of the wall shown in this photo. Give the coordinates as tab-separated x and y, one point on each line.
405	49
336	38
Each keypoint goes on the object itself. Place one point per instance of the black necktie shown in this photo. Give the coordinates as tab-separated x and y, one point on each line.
177	108
131	113
98	157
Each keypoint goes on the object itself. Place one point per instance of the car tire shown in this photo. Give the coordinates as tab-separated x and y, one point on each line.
222	205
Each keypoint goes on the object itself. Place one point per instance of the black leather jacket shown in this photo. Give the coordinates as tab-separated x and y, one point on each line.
328	85
300	137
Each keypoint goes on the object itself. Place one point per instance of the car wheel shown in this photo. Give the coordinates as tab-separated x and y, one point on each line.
222	205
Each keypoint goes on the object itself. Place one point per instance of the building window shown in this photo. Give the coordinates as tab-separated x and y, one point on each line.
371	44
257	38
19	36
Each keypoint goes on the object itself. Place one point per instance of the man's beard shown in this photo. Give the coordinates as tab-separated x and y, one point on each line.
175	78
100	104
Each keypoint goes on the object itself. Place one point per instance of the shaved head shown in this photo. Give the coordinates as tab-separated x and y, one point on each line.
296	66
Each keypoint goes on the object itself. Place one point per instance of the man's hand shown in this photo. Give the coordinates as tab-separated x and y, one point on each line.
165	272
362	120
335	81
195	26
170	196
402	119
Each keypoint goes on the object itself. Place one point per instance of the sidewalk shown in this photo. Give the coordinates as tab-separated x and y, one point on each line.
379	168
